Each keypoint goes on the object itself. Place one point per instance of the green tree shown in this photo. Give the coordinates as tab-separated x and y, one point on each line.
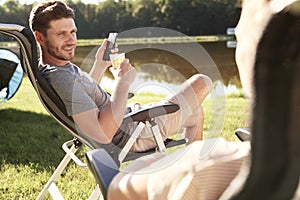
85	16
13	12
191	17
107	14
146	13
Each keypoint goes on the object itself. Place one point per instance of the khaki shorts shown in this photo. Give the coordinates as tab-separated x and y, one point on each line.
169	124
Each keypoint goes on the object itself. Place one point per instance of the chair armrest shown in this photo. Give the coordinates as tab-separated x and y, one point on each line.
103	168
146	114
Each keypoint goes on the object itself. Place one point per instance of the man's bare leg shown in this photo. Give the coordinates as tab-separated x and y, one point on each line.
194	126
191	97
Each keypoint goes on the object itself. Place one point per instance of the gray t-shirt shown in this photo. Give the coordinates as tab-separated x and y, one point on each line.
76	88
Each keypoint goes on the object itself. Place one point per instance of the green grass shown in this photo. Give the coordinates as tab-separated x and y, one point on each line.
30	147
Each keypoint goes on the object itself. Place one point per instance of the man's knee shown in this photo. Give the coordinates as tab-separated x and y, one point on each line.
201	85
196	118
201	81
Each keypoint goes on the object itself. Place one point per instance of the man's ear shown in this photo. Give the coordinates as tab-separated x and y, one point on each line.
39	37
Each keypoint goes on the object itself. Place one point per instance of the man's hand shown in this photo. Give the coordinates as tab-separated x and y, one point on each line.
101	65
100	52
126	73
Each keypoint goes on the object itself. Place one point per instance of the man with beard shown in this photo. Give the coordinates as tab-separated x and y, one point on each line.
97	113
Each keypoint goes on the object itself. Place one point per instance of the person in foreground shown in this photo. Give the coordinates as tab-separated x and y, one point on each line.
207	169
96	113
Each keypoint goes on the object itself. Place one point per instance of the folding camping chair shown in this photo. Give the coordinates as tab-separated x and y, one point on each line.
54	105
104	169
275	160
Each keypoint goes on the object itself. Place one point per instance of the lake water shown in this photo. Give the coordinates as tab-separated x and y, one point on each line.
166	66
163	67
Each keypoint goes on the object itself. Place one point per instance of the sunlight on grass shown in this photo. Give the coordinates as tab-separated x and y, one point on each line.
25	99
31	140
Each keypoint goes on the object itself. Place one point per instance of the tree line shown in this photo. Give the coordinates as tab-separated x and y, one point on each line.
190	17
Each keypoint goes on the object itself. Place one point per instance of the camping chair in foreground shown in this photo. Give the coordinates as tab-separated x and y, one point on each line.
274	169
54	105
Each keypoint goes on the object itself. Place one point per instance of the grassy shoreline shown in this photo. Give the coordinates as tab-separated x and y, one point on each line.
158	40
31	145
145	40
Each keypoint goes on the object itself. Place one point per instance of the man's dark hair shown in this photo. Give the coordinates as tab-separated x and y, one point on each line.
44	13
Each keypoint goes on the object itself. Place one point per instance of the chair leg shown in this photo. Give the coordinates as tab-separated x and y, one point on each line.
50	185
96	194
131	140
70	149
157	136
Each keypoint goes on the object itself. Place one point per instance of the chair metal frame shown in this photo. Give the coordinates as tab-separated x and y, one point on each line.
55	107
275	161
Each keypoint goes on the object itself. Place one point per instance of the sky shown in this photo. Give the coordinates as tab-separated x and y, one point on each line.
32	1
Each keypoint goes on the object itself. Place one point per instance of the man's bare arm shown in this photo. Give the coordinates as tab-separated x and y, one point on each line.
107	120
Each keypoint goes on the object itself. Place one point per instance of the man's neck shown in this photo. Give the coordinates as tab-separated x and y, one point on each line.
53	61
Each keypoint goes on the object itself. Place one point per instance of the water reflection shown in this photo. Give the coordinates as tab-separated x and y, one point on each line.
214	60
152	77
